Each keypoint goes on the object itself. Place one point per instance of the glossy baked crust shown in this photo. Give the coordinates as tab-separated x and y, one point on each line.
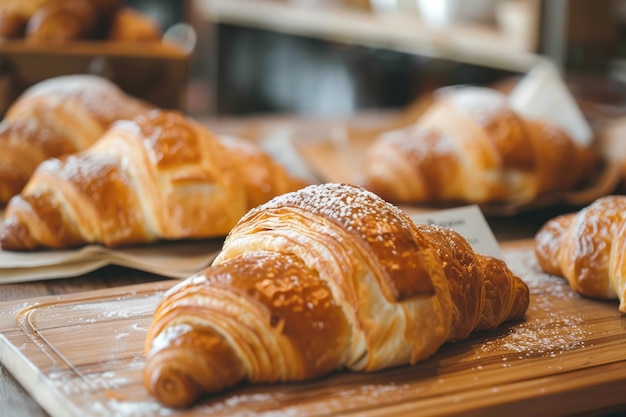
158	176
586	248
14	15
328	277
57	116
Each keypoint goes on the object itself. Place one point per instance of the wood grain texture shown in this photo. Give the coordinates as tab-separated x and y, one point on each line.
81	354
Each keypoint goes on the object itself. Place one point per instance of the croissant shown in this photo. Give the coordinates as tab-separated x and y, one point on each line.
62	21
327	277
57	116
131	25
588	249
470	146
158	176
14	15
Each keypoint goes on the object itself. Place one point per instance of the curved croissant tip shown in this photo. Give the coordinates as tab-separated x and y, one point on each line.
171	387
15	236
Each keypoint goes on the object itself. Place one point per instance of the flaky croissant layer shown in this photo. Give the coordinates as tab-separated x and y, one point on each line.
588	249
160	175
327	277
57	116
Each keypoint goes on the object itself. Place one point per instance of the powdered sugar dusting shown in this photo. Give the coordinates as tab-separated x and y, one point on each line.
420	142
524	265
385	233
70	85
353	208
549	337
341	400
553	336
372	393
77	168
245	403
480	103
130	409
100	97
556	332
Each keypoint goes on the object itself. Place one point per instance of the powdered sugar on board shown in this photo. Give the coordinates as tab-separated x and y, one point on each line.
556	332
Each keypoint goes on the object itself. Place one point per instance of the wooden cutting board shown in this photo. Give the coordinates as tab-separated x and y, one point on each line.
82	355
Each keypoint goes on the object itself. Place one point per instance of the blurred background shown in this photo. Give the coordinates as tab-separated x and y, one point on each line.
340	57
333	57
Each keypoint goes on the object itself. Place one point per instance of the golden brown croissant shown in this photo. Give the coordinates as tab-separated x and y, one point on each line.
158	176
14	15
62	21
263	178
131	25
54	117
588	249
470	146
328	277
57	21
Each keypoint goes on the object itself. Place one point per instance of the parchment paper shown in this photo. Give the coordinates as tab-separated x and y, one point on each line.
170	259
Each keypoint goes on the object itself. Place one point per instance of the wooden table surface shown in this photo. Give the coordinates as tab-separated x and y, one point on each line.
16	402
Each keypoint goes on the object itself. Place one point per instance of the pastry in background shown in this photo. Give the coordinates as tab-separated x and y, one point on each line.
328	277
588	248
14	14
57	116
12	23
423	101
159	176
470	146
62	21
130	25
263	178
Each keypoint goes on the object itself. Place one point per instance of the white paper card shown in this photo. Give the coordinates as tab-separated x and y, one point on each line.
470	223
542	94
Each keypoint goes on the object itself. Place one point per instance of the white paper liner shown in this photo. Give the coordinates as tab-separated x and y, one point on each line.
169	259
